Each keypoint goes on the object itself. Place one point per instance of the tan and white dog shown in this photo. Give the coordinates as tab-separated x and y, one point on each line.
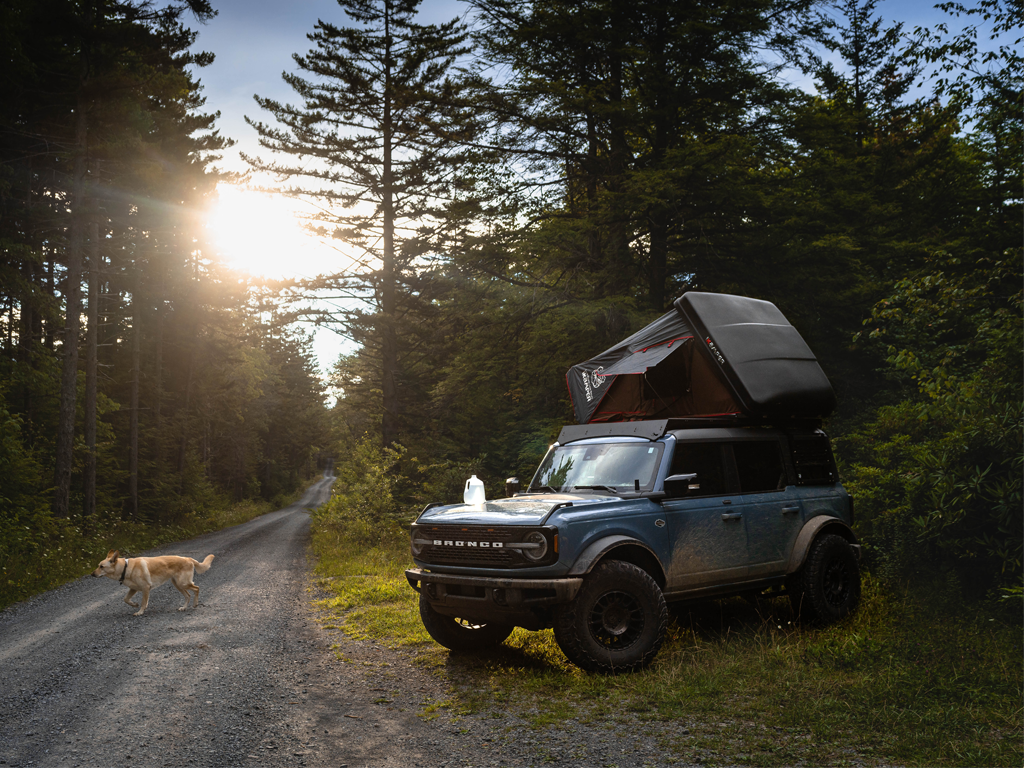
142	574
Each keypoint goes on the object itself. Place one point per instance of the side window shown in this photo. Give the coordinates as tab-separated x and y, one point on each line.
759	465
812	458
704	459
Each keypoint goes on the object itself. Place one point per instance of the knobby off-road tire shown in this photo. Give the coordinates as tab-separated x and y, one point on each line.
616	622
827	588
461	634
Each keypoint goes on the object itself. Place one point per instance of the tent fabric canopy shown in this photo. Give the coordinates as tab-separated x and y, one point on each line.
648	376
712	355
642	359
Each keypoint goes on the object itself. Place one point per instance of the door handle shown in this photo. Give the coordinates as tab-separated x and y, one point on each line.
732	515
790	510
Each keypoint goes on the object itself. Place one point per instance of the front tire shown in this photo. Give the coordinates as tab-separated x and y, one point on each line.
827	589
461	634
616	622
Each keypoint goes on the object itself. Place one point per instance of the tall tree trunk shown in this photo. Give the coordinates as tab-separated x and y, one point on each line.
27	312
92	348
73	301
51	289
389	346
658	258
158	387
659	216
30	333
618	269
11	320
592	171
133	424
183	445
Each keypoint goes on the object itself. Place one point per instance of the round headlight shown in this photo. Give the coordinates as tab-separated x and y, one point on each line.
538	546
417	544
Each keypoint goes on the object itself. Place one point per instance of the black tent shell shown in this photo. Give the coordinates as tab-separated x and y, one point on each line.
712	355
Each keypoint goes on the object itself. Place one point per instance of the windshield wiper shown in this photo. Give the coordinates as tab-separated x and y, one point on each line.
594	488
547	488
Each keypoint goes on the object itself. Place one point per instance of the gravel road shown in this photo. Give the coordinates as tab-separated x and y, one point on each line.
249	678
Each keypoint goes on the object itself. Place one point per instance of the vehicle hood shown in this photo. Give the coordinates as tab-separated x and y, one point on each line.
522	510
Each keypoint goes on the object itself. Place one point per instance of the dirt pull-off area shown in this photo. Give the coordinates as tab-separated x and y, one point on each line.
247	679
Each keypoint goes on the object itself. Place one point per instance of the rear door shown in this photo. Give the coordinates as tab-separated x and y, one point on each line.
772	514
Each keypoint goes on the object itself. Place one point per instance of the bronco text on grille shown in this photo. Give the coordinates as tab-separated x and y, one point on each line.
456	545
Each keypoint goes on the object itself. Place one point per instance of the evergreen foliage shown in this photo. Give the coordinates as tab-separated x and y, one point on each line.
139	389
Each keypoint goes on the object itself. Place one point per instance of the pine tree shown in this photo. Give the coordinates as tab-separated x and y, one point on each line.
876	180
654	118
371	141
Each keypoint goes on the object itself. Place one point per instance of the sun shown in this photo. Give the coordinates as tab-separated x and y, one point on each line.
262	234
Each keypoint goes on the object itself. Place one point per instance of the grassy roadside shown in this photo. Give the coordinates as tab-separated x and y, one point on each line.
899	682
74	554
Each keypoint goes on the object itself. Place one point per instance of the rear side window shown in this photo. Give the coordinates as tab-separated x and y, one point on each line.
704	459
812	458
759	466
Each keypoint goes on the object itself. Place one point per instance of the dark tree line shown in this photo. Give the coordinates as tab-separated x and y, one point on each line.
137	381
613	155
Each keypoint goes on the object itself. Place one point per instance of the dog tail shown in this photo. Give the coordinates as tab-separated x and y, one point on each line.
204	566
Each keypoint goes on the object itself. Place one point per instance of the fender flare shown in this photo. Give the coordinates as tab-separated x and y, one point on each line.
590	556
810	532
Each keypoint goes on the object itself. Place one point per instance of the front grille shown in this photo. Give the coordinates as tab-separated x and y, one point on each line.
453	556
466	554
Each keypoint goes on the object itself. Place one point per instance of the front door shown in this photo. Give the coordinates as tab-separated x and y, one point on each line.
707	529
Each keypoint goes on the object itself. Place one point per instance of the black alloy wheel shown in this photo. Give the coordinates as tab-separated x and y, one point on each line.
827	589
616	622
836	583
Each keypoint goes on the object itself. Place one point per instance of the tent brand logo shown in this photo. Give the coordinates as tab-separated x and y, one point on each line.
456	543
592	381
714	351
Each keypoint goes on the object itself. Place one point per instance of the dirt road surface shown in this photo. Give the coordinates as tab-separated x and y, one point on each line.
248	678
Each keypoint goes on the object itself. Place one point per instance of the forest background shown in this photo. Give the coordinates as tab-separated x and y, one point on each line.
522	191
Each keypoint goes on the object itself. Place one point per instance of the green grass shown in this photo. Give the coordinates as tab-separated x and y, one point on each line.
899	681
70	553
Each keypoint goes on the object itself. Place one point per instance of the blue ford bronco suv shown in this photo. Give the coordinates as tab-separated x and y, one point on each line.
622	518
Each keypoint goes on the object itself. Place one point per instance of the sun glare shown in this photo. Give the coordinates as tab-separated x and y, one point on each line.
262	234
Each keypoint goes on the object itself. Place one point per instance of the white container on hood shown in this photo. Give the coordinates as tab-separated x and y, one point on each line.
474	492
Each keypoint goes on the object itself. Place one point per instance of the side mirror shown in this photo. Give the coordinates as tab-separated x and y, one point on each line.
679	485
511	486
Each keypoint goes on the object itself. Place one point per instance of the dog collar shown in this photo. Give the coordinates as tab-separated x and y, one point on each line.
121	580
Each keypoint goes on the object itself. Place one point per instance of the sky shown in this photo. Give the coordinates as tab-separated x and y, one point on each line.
253	42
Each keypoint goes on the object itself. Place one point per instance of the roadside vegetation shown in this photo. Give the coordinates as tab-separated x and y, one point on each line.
911	679
34	560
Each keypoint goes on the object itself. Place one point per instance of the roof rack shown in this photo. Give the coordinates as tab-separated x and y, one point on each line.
655	428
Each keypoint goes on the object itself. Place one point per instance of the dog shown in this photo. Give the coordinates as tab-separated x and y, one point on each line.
143	574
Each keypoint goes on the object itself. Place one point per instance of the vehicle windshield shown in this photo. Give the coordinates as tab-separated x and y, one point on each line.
620	467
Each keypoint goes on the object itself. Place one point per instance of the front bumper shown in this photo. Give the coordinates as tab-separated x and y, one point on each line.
497	599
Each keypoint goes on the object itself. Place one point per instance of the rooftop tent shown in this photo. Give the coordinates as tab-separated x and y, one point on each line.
654	374
712	355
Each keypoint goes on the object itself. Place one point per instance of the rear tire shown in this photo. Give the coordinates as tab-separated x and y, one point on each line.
616	622
461	634
827	589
